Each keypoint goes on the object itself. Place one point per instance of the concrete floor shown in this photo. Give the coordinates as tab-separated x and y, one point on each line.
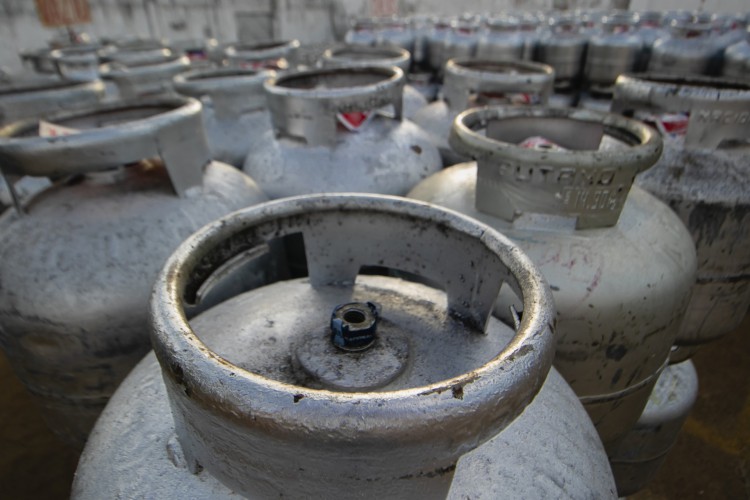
711	459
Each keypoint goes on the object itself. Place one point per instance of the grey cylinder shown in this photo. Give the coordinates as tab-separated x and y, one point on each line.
83	254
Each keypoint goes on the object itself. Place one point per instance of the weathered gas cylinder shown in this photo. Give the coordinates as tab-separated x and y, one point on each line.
619	262
272	55
144	79
77	264
40	96
33	98
643	450
331	135
703	176
475	82
359	56
563	48
649	29
687	50
77	62
342	385
737	60
612	52
234	108
501	39
394	32
361	33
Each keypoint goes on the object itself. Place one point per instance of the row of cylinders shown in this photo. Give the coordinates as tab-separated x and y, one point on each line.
594	47
311	151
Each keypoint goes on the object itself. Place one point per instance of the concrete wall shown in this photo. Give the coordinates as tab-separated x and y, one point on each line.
310	21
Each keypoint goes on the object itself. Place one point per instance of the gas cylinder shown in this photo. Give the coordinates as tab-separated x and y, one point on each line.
362	32
703	176
563	48
435	44
331	135
619	262
78	261
460	41
501	39
475	82
643	450
688	50
386	56
612	52
77	62
339	384
394	32
737	60
234	108
649	29
144	79
278	55
39	96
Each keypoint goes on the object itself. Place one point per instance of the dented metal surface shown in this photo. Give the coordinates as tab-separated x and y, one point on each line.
641	453
78	263
248	416
234	108
476	82
332	134
616	325
704	178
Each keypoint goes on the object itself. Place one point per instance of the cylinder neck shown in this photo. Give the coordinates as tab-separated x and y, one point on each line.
718	109
469	81
111	135
549	161
311	106
232	92
369	441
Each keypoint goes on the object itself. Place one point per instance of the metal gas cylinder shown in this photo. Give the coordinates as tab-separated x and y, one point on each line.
687	50
563	48
332	135
359	56
435	44
529	29
501	39
737	60
277	55
144	79
619	262
362	32
39	96
649	29
77	62
460	41
235	115
78	260
612	52
643	450
394	32
475	82
341	385
703	176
